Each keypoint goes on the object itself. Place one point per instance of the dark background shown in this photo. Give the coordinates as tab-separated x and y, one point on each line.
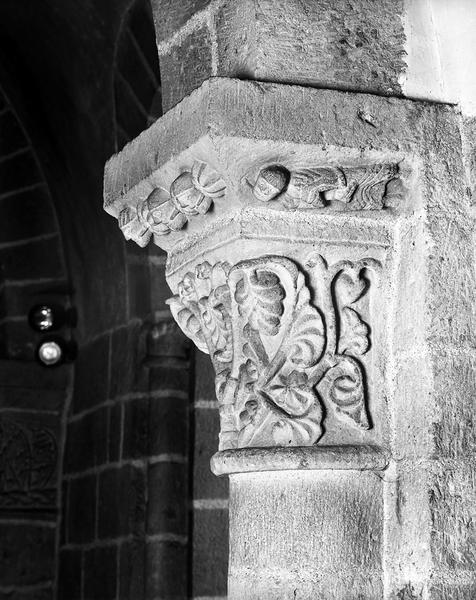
105	489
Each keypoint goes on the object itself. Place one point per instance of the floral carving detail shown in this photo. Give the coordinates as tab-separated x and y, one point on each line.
202	310
277	356
356	188
191	193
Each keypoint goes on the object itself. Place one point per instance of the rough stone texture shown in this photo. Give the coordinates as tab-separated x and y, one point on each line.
468	132
357	45
170	16
207	427
185	67
276	542
132	570
312	458
121	502
87	442
210	528
166	562
170	515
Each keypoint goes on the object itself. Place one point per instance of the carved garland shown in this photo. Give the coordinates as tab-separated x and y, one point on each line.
191	193
273	351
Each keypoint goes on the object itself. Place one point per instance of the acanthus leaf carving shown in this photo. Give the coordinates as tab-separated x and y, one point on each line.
354	338
277	356
345	391
202	310
259	295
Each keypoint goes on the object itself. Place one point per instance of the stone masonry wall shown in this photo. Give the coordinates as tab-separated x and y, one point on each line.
353	45
126	510
210	493
32	401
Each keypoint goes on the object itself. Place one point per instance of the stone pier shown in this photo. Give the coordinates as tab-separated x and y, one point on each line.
320	237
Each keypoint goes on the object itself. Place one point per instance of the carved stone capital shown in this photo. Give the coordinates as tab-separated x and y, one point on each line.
279	357
276	232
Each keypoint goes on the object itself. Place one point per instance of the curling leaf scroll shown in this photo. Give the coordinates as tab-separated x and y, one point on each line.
278	357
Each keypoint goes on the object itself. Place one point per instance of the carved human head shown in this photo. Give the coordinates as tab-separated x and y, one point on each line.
186	197
270	183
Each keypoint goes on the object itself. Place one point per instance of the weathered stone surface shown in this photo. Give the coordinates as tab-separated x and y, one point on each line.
207	428
276	544
168	513
168	423
132	570
314	458
170	16
91	386
136	429
121	502
468	132
185	67
452	507
209	567
35	593
355	45
166	563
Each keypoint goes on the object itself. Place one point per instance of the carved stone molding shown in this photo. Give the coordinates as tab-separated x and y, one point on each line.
279	357
193	192
356	188
240	199
163	211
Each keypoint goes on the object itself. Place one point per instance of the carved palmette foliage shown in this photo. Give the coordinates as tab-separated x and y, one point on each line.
277	356
202	310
